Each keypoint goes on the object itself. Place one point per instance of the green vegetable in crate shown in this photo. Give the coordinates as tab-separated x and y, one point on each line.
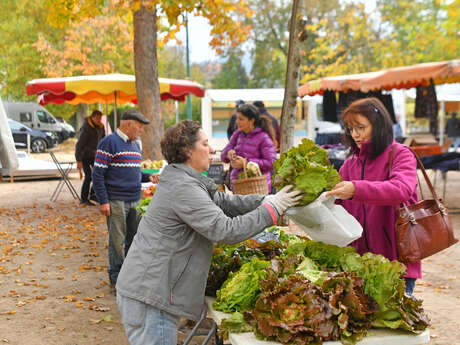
252	170
307	167
241	289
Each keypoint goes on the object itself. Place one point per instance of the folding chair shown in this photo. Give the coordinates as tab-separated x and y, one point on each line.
64	169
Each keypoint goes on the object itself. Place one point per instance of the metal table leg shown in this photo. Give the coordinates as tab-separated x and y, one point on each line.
194	332
64	179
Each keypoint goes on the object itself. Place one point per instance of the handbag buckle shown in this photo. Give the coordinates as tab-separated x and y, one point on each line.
442	209
412	218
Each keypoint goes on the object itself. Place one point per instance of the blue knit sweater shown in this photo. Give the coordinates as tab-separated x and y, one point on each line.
117	169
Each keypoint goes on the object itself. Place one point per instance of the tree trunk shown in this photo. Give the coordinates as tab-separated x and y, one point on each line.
82	112
297	35
147	84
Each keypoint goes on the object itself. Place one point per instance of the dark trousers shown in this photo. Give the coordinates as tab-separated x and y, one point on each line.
86	186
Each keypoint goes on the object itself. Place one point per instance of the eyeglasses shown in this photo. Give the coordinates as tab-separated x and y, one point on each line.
357	129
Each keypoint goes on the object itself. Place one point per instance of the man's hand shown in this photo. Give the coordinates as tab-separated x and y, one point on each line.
79	165
154	178
343	190
105	209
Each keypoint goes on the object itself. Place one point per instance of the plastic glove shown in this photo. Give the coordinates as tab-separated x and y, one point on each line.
285	198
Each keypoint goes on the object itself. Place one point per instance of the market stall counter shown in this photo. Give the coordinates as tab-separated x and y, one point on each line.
375	337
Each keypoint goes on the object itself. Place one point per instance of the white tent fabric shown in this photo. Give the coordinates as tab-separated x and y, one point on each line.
8	157
231	95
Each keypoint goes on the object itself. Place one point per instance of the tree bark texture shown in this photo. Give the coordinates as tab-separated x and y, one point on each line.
297	35
147	84
82	113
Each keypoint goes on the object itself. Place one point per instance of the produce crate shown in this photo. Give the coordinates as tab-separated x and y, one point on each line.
151	171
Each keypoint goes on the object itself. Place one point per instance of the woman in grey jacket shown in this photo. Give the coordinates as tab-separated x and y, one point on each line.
164	275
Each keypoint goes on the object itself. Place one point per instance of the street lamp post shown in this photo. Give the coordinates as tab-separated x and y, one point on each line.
189	103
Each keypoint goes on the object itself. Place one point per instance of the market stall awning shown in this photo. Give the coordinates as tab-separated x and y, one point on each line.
393	78
104	88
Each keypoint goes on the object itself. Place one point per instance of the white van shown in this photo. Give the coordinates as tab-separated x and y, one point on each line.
35	116
315	124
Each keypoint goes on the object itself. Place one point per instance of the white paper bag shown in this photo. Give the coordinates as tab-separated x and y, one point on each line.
323	220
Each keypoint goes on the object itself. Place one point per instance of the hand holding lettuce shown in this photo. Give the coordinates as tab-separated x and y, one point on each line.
306	167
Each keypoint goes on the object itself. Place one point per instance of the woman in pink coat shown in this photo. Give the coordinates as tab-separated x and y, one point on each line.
254	140
368	191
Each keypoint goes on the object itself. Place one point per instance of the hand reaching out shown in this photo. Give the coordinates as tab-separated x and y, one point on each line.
343	190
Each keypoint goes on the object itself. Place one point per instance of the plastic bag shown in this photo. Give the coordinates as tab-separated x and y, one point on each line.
323	220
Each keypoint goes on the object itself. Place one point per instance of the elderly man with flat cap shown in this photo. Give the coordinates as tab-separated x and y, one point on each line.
117	181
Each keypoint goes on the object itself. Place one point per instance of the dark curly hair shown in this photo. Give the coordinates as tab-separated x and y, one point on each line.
178	140
382	128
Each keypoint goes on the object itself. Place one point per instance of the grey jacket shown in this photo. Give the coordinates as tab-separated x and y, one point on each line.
168	262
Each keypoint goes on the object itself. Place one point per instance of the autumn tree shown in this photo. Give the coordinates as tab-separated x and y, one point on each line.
223	16
297	35
418	31
232	74
21	23
353	39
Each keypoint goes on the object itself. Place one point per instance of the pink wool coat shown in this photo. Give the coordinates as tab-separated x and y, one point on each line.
377	194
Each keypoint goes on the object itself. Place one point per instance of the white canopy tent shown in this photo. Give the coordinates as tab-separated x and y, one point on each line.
230	96
8	157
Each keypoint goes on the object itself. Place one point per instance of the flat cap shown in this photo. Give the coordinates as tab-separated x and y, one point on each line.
134	115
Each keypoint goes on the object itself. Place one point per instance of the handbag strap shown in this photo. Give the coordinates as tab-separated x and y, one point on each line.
427	180
390	166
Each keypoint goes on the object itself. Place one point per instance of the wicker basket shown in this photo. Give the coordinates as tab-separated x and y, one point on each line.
251	185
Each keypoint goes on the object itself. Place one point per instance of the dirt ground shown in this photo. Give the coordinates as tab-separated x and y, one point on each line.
53	270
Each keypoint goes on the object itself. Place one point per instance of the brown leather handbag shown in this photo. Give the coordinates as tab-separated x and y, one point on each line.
424	228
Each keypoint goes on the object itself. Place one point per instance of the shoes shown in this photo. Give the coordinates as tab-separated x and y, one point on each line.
113	290
87	203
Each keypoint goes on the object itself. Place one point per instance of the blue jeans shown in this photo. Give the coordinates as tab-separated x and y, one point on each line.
146	325
410	284
455	142
122	224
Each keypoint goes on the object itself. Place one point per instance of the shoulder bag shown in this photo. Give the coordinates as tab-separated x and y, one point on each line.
424	228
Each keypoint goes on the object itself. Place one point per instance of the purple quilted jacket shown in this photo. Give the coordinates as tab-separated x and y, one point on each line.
256	146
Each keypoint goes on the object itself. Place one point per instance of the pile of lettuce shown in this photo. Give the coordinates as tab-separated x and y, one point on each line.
315	292
307	167
293	310
383	281
230	258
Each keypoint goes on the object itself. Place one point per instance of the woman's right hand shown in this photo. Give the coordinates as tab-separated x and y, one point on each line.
343	190
237	162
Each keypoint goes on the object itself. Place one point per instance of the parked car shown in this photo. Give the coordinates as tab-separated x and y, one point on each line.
67	126
35	116
39	141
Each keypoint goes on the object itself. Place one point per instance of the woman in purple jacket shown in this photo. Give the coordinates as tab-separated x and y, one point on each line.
368	191
254	140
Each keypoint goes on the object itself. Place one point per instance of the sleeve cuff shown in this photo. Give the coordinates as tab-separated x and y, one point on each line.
272	212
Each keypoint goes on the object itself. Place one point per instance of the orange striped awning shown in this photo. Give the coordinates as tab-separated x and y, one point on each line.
393	78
